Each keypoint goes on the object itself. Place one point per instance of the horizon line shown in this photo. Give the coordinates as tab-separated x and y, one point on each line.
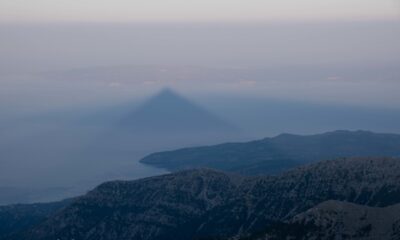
200	22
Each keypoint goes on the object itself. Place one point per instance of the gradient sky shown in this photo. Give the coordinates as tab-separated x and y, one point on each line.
323	50
195	10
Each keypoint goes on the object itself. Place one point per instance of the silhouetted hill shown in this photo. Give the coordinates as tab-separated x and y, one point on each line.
273	155
19	217
204	203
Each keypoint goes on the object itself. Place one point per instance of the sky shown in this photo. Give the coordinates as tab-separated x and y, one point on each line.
282	48
196	10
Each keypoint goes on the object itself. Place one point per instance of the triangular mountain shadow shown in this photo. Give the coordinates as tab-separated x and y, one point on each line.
167	121
168	112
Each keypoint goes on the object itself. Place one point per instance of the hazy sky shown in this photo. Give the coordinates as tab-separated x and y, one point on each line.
286	48
196	10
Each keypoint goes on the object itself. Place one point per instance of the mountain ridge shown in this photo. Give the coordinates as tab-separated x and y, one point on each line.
280	153
209	204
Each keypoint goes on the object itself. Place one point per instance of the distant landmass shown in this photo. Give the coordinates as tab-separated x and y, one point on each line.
325	200
277	154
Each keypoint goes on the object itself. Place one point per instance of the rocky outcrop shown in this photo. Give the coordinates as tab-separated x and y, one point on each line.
333	220
338	220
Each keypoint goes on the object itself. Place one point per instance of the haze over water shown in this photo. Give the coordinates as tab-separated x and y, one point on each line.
69	73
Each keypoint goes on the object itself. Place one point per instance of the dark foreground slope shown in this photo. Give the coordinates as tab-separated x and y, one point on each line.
274	155
20	217
204	203
337	220
165	207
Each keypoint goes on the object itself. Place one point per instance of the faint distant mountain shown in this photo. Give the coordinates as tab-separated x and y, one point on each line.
207	204
168	118
168	112
272	155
